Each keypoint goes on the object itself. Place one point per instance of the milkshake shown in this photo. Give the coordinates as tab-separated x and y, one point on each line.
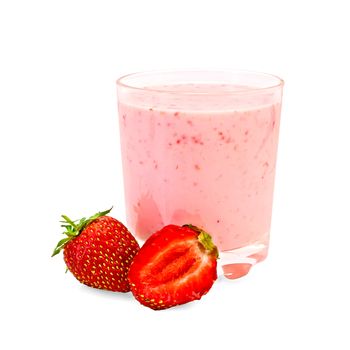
202	153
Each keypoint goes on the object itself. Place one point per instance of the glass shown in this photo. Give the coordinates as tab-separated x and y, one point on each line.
199	147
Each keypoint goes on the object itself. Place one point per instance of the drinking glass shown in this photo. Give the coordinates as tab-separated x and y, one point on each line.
199	147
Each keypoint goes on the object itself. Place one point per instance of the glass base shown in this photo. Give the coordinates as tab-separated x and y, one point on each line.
237	263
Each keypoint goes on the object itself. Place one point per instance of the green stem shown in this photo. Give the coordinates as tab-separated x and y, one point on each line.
205	239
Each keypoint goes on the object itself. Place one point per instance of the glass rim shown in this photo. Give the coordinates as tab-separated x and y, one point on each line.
279	82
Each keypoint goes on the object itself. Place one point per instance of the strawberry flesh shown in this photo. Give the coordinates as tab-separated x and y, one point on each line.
173	267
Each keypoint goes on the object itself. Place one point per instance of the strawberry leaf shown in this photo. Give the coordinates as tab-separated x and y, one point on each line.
65	217
73	229
60	245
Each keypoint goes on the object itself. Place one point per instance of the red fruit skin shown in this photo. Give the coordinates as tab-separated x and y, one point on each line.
100	256
172	268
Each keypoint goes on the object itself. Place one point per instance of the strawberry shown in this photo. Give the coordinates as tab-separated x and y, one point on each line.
98	251
176	265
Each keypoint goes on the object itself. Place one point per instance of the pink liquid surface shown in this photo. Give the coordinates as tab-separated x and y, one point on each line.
208	164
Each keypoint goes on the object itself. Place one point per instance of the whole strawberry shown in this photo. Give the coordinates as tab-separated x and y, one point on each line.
176	265
98	251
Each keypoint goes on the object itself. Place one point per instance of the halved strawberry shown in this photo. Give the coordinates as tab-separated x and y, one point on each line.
176	265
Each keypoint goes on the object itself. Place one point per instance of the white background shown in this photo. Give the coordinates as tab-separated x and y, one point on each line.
59	149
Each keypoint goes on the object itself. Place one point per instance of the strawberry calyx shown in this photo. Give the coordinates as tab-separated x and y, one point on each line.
205	239
74	228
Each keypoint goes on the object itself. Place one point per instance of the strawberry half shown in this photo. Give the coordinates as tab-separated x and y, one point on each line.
98	251
176	265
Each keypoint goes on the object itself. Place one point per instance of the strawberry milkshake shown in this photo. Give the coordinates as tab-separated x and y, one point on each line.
200	148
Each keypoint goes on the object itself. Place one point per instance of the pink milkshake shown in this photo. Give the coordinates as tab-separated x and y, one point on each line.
200	148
